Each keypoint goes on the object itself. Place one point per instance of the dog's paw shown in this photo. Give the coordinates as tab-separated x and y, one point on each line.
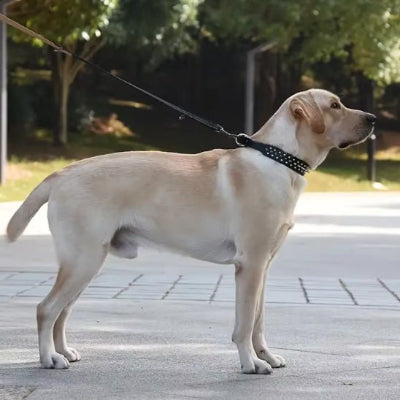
258	367
275	360
55	361
71	354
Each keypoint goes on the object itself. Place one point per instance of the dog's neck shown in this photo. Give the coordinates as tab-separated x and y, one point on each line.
285	134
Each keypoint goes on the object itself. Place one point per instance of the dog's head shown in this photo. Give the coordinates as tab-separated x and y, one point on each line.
321	114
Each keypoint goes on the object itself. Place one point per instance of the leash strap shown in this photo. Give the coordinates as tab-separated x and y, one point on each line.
241	139
58	48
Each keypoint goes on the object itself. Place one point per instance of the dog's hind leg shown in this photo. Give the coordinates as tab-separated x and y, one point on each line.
73	276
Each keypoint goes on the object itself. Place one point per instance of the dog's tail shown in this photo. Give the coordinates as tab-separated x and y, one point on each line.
28	209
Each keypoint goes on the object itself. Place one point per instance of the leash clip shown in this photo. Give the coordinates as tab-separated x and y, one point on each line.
242	139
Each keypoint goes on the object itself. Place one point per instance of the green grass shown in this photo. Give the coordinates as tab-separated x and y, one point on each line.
26	175
32	161
35	159
347	171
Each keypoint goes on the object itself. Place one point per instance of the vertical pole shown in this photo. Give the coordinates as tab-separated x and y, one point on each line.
371	142
3	97
367	103
249	97
249	100
371	166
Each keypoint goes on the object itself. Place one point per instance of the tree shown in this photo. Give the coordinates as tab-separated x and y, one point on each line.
78	27
83	26
362	33
161	28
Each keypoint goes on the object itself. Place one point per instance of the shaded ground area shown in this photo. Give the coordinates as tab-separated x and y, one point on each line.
149	350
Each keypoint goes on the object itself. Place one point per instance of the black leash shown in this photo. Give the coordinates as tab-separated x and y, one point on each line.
60	49
241	139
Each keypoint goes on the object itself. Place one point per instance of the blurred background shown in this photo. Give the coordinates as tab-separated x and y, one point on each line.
194	53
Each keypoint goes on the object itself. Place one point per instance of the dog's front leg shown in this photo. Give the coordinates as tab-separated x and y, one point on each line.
249	282
259	339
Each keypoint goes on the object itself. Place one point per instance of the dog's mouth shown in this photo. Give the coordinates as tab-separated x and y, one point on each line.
345	145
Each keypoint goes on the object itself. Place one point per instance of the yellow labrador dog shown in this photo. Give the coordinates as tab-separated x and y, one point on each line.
224	206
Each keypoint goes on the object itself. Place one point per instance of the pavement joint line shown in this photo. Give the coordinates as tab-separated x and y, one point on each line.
309	351
342	371
45	281
392	292
351	295
33	267
17	391
304	290
105	287
216	288
308	377
171	288
18	294
205	301
127	287
9	276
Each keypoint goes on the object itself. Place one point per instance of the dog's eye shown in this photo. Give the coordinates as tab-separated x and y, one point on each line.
335	105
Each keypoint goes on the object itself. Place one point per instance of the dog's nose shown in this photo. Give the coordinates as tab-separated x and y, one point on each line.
371	118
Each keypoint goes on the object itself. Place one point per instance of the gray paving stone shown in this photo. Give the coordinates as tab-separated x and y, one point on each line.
198	280
226	297
370	292
149	288
29	277
333	294
325	301
15	392
139	296
366	292
12	290
191	289
114	280
37	291
158	278
5	275
106	293
188	296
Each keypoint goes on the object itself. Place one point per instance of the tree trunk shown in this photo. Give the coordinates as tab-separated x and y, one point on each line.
266	89
63	111
63	72
55	79
366	93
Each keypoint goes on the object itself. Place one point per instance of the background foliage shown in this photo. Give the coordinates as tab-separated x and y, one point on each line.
193	52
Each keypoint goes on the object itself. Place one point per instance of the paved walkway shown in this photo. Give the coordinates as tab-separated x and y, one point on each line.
159	327
210	287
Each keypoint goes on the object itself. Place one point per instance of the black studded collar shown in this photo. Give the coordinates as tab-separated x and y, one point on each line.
275	153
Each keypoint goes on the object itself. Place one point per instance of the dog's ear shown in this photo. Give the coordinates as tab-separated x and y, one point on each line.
308	110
